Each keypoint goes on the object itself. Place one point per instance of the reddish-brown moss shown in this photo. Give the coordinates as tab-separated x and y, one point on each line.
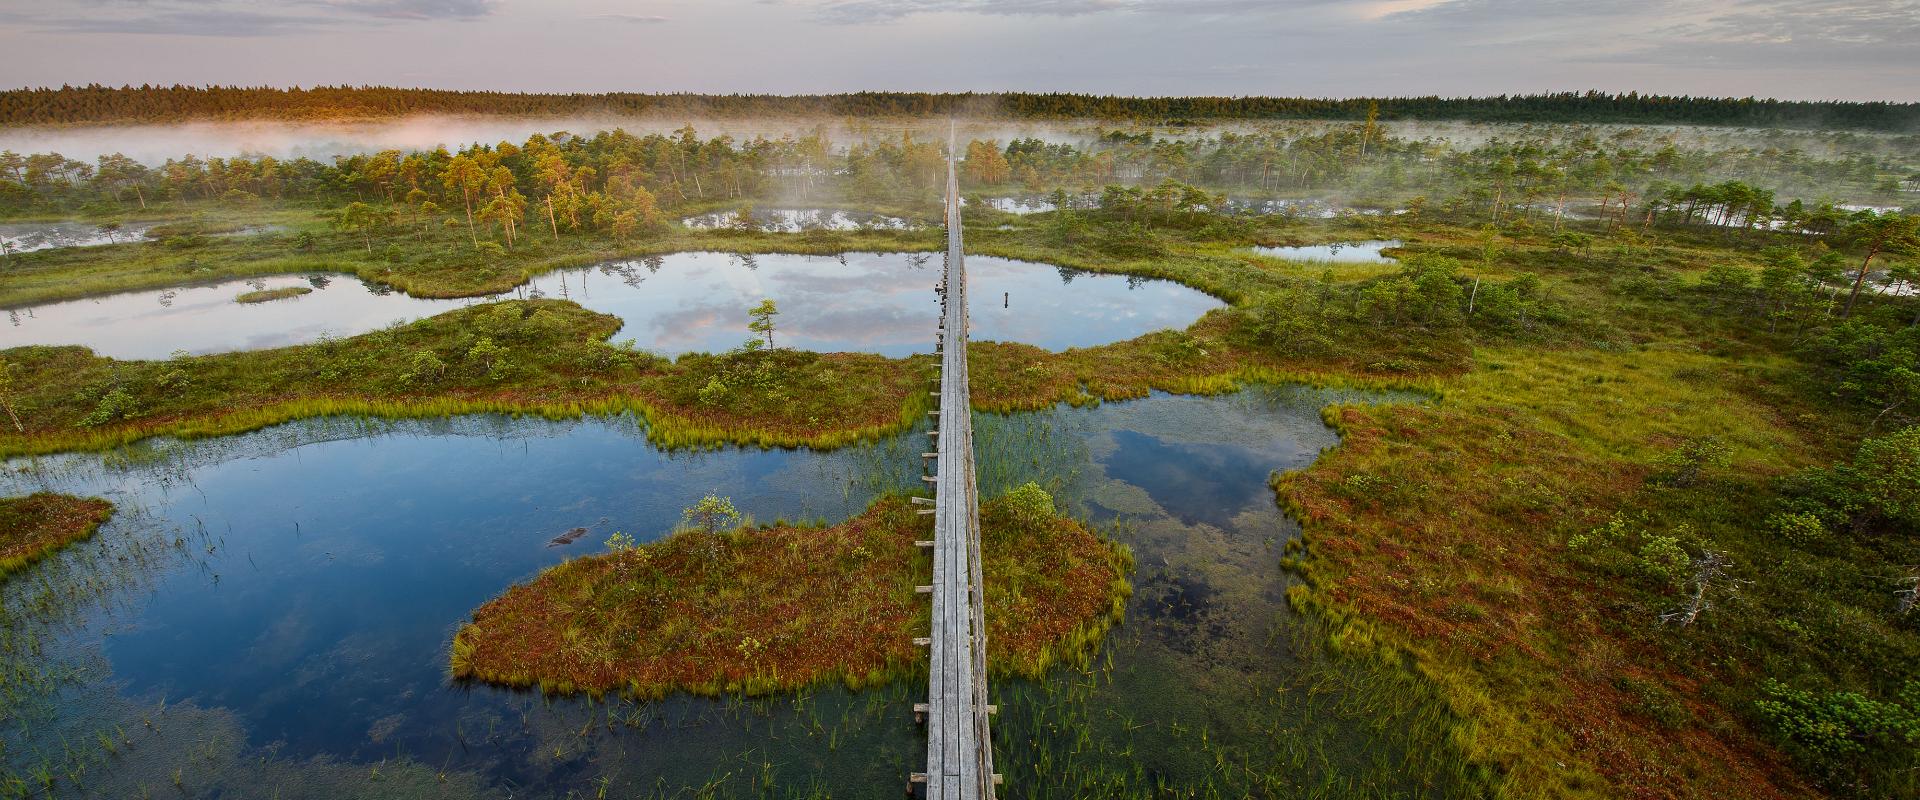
34	526
764	609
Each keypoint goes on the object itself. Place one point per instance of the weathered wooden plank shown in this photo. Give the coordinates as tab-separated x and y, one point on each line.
959	740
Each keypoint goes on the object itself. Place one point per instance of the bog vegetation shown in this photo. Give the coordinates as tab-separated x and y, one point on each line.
723	605
33	526
1653	537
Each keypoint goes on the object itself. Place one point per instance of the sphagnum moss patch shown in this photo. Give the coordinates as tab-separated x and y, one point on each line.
36	525
764	609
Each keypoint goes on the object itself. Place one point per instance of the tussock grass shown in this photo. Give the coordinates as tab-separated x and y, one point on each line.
267	295
550	358
1443	531
36	525
774	608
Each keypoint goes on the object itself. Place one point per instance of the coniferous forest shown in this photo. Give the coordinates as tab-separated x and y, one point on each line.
92	103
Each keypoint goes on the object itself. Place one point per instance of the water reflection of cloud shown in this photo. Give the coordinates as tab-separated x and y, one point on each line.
879	283
867	302
205	319
893	332
687	329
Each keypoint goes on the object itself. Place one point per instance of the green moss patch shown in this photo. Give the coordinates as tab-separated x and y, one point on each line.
269	295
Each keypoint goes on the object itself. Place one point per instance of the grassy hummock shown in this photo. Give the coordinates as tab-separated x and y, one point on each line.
547	357
764	609
268	295
34	526
1456	533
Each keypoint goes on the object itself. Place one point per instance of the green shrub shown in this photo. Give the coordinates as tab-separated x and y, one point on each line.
1889	469
115	405
1846	738
1799	528
425	368
1662	559
1029	506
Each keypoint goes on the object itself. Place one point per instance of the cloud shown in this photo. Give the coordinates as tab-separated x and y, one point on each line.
417	9
233	18
634	19
862	11
226	23
1838	22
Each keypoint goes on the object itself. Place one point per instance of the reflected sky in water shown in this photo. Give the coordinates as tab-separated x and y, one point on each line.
26	237
207	319
1342	253
794	220
311	576
867	302
685	302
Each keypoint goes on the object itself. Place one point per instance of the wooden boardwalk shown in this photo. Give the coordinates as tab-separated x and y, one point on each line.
959	746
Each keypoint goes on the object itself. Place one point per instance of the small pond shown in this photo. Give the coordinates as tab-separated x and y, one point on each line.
867	302
1313	209
795	220
1021	205
1035	204
26	237
269	614
206	319
685	302
1340	253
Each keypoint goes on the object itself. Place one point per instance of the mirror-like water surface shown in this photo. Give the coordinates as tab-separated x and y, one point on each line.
795	220
26	237
1017	205
1311	209
1342	253
867	302
207	318
268	615
686	302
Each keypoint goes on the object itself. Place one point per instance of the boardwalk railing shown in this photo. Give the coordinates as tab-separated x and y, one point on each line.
959	743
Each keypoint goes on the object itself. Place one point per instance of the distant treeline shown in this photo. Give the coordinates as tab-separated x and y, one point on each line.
94	103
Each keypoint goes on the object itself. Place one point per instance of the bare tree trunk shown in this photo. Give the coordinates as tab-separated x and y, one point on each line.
467	195
1858	280
1709	568
17	427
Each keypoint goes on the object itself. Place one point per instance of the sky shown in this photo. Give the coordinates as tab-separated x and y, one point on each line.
1799	49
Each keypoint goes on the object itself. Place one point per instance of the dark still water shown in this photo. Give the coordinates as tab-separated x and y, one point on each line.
268	616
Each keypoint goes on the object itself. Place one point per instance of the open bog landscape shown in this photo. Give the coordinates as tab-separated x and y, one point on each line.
744	438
